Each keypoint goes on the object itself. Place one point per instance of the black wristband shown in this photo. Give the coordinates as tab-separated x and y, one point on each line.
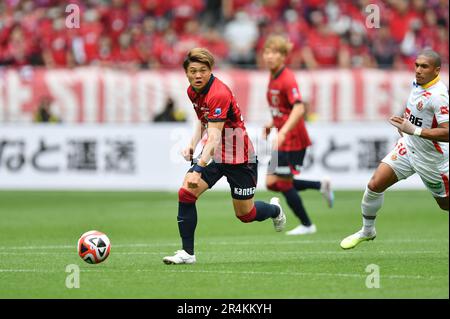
197	168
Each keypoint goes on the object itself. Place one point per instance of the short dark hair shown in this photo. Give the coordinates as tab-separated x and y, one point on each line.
200	55
432	55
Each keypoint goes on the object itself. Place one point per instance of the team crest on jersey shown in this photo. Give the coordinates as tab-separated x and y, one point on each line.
217	111
419	106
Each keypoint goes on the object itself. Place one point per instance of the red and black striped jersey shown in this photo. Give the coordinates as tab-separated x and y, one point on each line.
282	94
216	103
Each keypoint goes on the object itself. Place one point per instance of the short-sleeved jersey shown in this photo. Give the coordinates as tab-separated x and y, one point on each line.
216	103
427	107
282	94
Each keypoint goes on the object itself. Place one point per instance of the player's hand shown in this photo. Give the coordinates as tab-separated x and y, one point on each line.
279	140
187	153
193	180
403	124
266	130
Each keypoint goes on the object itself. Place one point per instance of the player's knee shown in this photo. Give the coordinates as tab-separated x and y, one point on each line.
249	217
185	196
374	186
280	186
284	186
272	186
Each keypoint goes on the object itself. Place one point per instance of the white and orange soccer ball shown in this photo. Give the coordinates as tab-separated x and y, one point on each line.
94	247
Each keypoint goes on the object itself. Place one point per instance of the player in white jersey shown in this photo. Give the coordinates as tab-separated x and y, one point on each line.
422	149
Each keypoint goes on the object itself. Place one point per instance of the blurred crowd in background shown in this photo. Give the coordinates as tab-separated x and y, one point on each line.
153	34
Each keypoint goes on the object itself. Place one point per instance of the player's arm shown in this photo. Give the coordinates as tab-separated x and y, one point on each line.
439	134
199	129
298	111
214	138
266	129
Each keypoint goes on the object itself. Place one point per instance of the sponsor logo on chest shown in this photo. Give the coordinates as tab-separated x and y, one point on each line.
419	106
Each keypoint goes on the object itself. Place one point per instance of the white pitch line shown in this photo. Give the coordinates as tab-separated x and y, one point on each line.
228	272
302	274
226	243
26	270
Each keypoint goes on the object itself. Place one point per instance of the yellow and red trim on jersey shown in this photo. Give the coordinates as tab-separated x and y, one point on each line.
431	83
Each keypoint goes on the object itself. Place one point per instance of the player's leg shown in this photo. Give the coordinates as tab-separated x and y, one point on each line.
394	167
284	185
243	179
279	178
187	214
324	186
371	203
373	197
248	210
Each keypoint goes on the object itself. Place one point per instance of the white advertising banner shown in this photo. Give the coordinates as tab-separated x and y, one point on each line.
147	157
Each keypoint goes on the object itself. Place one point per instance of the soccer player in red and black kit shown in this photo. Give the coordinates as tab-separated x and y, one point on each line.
228	152
292	140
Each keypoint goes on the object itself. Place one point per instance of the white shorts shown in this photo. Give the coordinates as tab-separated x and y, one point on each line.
404	164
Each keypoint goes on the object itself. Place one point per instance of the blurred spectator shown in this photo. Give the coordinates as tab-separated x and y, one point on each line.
170	114
183	11
383	49
56	46
43	113
323	48
241	34
126	54
213	41
410	45
355	51
90	33
157	33
400	19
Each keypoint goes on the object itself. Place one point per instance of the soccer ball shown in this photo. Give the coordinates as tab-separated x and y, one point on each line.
94	247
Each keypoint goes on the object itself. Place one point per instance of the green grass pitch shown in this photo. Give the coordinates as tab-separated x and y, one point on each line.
39	232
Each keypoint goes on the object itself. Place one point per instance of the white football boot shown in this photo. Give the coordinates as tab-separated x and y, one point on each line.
353	240
180	257
327	192
279	222
302	230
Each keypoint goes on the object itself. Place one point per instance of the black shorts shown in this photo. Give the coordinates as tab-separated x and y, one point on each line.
289	163
241	177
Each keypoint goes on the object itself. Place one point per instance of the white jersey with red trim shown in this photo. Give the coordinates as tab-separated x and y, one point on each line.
427	107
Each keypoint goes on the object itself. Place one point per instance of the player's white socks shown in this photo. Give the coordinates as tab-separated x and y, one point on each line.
370	205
